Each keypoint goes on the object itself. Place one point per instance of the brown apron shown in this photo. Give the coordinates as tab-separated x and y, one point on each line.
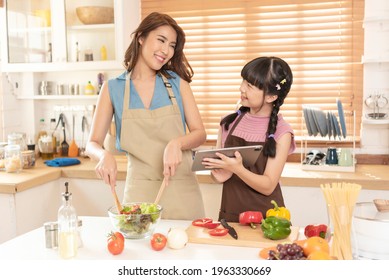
144	135
237	196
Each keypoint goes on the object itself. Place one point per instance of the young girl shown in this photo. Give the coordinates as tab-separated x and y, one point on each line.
266	83
152	104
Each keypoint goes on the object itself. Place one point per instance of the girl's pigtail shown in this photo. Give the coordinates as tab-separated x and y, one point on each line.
231	117
269	148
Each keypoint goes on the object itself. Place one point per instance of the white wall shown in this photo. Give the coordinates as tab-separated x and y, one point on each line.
375	137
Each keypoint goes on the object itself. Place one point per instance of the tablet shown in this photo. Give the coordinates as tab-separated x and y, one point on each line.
249	154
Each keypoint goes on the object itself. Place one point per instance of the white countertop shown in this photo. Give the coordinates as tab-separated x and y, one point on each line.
31	246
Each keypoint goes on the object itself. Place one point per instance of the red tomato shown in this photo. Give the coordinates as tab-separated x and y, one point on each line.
158	241
115	243
201	222
211	225
218	232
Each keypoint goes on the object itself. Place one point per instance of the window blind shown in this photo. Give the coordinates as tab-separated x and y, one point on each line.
322	41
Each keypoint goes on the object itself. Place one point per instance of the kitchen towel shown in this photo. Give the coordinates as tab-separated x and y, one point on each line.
58	162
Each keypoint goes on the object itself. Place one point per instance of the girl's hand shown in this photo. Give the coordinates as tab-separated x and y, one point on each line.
224	162
172	157
221	175
106	169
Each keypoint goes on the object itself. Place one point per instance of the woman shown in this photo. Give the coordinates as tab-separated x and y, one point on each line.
266	83
152	104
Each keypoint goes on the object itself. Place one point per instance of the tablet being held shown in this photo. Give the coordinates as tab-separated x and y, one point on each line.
266	81
249	155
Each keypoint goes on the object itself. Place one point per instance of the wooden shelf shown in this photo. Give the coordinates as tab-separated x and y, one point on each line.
329	168
58	97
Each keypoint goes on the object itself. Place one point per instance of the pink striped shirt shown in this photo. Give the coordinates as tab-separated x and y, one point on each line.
253	129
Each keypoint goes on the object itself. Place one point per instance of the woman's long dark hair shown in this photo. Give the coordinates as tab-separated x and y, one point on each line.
178	63
274	76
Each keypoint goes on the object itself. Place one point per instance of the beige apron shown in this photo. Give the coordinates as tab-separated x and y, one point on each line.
144	135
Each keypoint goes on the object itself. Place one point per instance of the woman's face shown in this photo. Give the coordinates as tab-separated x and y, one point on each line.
158	47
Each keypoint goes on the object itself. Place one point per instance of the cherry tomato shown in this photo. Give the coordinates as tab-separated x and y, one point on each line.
115	243
201	222
211	225
218	232
158	241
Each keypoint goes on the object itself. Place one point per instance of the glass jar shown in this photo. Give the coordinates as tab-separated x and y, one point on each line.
28	159
2	166
13	161
18	138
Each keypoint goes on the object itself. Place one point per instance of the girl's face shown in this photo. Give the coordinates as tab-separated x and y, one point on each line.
158	47
255	99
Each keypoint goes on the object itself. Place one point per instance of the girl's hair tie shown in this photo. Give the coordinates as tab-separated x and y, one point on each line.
238	112
271	136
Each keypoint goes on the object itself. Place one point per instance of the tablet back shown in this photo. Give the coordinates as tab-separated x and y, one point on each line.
249	154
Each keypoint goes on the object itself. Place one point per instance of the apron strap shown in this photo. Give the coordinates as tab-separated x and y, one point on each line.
126	99
168	87
234	126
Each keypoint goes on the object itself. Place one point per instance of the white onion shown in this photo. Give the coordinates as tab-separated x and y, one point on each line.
177	238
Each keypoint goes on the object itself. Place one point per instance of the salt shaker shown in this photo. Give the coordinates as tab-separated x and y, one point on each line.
51	234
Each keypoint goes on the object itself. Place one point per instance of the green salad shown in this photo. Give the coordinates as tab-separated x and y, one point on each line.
137	218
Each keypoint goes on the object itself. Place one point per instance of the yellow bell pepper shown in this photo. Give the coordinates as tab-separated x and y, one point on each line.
281	212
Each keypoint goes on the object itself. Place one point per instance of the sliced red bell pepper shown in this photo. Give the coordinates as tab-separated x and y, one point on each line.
218	232
250	218
201	222
212	225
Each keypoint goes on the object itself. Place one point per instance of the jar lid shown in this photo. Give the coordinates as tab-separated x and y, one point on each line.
15	135
12	148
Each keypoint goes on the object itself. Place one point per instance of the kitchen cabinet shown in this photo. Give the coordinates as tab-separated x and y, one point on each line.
42	37
27	29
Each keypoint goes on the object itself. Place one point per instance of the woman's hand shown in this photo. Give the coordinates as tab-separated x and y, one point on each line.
106	169
172	157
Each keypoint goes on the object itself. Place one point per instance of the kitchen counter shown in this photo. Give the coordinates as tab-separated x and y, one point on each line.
31	245
374	177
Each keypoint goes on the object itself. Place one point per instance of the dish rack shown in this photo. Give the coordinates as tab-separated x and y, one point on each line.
349	116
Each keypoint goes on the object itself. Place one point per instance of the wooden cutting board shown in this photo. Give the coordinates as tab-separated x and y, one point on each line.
247	237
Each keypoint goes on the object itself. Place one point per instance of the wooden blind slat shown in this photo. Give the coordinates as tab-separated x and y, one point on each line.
322	40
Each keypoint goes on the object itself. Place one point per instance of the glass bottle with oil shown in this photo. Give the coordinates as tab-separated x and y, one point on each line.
67	227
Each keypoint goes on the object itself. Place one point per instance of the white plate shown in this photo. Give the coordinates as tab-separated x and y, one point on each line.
305	111
329	125
321	122
341	118
312	123
336	126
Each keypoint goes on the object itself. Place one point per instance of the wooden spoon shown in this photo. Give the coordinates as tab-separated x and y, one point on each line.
161	189
116	199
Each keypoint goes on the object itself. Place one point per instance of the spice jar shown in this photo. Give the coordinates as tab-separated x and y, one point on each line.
28	159
51	234
13	161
